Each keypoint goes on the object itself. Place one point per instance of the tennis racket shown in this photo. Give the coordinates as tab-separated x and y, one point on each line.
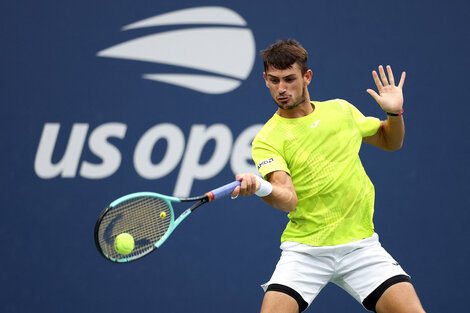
148	217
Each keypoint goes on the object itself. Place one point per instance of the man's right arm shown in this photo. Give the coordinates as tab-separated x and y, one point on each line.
283	196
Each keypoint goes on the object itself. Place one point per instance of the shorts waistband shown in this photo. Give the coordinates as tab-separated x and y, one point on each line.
292	245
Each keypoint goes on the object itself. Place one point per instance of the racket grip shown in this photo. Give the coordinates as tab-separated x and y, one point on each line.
223	191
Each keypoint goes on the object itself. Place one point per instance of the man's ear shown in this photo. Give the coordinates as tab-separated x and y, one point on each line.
308	77
265	79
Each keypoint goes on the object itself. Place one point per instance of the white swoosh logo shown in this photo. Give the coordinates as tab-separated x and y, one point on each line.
227	51
202	83
200	15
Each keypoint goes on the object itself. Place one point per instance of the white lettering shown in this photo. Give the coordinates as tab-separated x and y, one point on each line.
110	155
143	151
240	161
68	165
191	168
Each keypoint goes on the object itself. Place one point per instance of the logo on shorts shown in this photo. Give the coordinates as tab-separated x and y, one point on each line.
263	163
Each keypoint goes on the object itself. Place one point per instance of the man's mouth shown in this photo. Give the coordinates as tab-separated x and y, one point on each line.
282	99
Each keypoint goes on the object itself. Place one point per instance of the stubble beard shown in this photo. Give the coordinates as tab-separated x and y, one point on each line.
296	103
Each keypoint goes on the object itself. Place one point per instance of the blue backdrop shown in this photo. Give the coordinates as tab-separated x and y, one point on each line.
96	105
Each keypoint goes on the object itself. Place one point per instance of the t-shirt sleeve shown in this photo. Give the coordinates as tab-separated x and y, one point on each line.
367	125
267	158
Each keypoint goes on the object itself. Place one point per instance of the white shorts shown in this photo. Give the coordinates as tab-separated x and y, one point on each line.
358	267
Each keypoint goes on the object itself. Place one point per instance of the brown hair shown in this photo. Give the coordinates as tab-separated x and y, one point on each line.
283	54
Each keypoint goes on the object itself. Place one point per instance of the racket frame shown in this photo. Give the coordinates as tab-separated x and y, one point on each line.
207	197
173	223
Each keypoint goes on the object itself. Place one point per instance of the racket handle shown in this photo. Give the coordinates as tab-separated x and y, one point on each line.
223	191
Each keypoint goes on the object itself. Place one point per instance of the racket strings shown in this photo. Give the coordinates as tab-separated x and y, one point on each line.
141	217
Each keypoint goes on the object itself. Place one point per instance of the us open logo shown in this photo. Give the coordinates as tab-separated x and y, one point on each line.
210	59
222	55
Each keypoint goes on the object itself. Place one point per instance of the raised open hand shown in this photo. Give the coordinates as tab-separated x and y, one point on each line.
390	97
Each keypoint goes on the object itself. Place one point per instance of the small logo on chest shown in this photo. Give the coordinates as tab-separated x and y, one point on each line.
315	124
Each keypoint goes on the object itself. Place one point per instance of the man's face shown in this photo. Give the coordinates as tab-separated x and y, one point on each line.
288	86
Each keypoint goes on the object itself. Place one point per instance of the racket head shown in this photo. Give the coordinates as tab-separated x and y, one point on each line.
146	216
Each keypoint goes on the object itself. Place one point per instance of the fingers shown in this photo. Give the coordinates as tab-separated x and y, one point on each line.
236	192
373	94
377	81
390	75
383	76
383	82
248	185
402	80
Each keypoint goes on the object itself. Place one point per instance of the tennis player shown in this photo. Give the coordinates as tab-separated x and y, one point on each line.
307	154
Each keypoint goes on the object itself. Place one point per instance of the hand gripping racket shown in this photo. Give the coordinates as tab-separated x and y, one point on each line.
148	217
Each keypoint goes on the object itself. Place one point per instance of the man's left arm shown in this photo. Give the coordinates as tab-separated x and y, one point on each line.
390	98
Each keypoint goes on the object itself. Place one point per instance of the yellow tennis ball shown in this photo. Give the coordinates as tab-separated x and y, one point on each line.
163	214
124	243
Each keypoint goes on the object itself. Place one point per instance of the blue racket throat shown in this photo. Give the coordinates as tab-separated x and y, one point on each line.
148	217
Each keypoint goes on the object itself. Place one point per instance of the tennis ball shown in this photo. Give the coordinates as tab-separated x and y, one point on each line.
163	214
124	243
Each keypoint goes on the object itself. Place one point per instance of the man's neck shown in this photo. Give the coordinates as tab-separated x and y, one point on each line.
301	110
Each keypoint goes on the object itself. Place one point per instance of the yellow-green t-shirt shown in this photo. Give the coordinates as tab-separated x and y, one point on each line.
320	153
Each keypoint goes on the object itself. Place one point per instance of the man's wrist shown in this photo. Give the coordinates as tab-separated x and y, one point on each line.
395	114
265	187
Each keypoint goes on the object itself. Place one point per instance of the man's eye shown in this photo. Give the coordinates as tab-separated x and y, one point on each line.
274	81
